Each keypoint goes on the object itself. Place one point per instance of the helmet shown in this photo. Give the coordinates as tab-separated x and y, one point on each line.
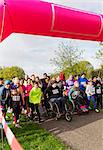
7	82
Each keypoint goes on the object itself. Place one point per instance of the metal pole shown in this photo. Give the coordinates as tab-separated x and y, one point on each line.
2	137
1	126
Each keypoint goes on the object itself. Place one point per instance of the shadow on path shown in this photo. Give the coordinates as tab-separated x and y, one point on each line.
83	133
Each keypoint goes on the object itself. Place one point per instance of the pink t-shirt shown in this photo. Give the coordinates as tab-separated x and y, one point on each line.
28	89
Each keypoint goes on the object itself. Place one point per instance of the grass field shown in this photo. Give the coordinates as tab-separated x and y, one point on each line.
33	137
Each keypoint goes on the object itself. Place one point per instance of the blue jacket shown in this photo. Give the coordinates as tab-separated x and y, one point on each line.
1	89
82	82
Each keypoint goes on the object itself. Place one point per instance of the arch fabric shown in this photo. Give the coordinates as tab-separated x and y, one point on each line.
48	19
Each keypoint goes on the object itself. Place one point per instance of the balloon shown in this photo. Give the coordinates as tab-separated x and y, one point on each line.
42	18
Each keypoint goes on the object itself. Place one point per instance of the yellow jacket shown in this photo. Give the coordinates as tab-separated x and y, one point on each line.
35	96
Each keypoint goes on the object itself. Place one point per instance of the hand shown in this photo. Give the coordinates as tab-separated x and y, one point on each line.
11	110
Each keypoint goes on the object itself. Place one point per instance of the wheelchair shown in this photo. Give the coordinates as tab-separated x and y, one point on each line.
77	104
53	111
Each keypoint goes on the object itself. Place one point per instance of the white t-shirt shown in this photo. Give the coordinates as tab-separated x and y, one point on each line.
90	90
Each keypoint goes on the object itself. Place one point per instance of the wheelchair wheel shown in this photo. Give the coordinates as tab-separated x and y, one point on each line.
56	111
58	116
68	116
70	106
50	111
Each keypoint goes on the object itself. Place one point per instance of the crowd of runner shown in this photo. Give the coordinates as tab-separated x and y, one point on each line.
31	94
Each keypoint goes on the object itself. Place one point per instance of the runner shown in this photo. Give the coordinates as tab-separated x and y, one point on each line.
35	100
16	105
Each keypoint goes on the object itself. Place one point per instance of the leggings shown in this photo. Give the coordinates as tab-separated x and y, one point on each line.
99	100
16	111
26	102
35	107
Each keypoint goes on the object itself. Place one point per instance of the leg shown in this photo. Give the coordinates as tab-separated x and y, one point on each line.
93	98
4	111
46	104
101	102
63	101
18	112
58	102
24	106
28	105
88	103
37	110
14	117
98	101
32	111
45	101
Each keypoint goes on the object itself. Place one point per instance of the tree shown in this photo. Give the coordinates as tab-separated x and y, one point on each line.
98	72
78	68
99	55
9	72
66	56
83	66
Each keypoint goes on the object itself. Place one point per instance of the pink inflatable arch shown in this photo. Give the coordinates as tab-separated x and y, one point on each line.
48	19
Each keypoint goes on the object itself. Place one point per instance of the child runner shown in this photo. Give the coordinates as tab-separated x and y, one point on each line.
19	89
33	79
28	88
91	94
1	87
26	77
35	100
38	81
69	82
99	94
6	97
82	82
16	104
1	91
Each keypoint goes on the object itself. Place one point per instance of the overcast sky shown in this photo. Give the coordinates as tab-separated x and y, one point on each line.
33	53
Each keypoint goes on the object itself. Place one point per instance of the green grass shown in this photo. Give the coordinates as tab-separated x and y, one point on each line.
33	137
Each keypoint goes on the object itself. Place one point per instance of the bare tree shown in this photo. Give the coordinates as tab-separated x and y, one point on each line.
99	55
66	56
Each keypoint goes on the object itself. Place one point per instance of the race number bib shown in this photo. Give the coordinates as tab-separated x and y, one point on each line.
16	98
55	91
99	90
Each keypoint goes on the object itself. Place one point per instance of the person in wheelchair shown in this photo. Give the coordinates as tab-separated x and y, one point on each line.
55	96
78	97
